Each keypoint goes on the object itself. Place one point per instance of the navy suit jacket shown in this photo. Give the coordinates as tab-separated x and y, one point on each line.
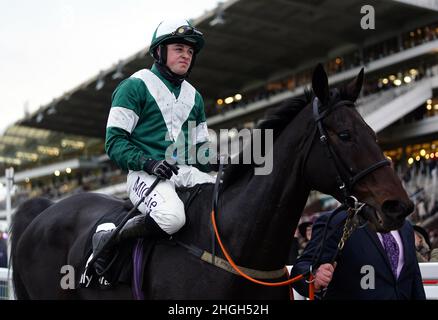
363	248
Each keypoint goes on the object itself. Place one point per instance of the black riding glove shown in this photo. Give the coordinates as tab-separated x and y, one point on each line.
160	168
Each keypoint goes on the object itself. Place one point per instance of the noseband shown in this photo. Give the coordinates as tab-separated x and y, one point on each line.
345	185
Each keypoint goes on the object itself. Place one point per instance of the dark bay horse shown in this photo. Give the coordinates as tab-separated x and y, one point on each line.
320	143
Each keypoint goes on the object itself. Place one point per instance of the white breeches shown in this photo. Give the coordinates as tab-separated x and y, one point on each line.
163	204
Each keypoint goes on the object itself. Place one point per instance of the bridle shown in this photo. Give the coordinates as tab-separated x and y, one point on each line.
346	184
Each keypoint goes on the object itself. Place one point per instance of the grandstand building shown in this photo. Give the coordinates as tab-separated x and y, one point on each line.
259	53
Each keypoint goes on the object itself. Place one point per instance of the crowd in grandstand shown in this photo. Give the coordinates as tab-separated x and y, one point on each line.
340	64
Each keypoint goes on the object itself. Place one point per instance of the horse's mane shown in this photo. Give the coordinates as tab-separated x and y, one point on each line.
277	119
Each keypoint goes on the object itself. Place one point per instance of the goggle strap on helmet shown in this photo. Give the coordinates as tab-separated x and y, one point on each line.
187	31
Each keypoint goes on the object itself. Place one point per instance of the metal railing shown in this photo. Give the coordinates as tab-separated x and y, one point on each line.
6	290
429	273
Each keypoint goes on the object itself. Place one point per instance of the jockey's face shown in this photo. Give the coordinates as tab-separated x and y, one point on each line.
179	57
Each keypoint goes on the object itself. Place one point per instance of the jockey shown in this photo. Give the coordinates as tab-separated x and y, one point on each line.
155	128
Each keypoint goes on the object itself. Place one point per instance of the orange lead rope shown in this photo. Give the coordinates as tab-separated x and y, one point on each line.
311	287
270	284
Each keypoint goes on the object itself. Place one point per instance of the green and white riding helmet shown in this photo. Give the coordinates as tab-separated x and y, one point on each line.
175	31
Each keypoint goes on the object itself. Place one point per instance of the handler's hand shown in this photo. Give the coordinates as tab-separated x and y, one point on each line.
324	275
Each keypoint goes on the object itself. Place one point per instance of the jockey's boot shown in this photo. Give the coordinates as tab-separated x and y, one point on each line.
140	226
100	238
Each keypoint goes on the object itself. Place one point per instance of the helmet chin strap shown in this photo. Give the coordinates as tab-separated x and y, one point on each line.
161	63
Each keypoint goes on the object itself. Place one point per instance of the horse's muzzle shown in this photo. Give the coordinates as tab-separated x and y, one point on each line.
394	212
391	215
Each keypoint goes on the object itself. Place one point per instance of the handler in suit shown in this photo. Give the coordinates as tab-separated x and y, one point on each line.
371	266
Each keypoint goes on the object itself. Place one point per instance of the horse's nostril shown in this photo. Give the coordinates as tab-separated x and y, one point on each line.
397	209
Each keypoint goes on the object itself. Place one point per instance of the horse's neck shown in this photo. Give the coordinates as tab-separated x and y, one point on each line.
258	218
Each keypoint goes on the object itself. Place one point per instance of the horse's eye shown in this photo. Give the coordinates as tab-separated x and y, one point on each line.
344	135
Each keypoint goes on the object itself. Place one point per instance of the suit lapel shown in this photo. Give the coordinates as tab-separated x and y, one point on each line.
376	241
406	253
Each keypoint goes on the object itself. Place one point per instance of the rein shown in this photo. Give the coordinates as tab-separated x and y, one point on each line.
238	269
350	203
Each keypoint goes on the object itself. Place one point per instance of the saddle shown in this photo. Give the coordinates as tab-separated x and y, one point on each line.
127	255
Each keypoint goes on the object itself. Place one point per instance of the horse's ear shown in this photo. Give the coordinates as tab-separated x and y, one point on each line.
320	84
352	90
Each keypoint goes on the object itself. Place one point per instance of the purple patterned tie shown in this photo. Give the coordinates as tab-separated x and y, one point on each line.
392	250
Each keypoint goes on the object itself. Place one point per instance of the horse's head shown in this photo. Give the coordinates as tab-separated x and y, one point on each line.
345	159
